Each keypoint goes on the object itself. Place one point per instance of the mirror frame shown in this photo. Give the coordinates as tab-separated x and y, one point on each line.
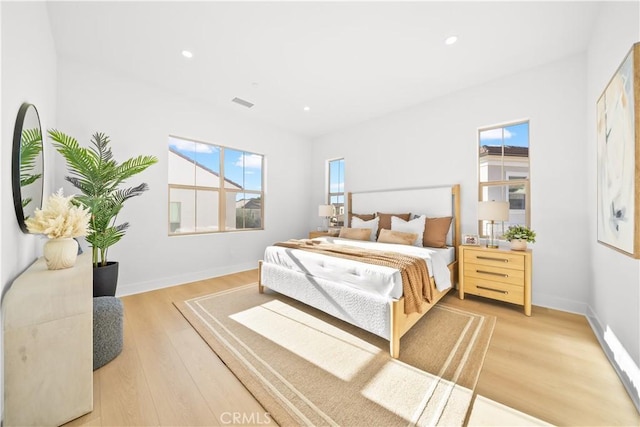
15	164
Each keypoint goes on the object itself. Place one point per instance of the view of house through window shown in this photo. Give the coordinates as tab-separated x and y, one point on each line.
336	191
503	165
213	188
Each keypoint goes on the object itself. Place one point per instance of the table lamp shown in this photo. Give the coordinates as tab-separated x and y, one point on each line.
325	211
493	211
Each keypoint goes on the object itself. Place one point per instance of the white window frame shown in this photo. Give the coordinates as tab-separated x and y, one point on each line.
339	212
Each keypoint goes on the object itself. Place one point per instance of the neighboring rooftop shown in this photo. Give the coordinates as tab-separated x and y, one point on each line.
510	151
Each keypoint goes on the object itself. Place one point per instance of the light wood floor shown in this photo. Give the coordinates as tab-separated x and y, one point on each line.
549	366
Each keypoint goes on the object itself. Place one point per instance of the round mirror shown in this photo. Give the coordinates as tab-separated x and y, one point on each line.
27	164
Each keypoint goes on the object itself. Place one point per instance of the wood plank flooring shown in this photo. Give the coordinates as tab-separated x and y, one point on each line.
549	365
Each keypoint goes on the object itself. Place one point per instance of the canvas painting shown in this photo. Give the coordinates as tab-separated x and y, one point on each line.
618	151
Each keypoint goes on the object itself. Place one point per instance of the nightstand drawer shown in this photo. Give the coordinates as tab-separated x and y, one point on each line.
495	290
497	274
501	259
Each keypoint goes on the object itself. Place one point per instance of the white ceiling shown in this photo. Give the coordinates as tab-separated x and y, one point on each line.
348	62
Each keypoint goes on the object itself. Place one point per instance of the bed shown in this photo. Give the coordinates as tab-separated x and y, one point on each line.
370	296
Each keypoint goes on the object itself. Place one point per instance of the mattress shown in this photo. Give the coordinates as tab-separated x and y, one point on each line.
384	281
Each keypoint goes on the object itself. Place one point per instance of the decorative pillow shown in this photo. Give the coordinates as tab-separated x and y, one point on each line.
414	226
364	217
435	232
355	233
390	236
385	220
371	224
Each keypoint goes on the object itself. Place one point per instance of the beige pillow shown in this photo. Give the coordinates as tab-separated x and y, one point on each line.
355	233
435	232
364	217
385	220
390	236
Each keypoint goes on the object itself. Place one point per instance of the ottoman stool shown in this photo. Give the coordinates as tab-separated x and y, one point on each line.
107	330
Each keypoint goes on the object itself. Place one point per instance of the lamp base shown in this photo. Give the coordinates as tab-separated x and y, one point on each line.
492	242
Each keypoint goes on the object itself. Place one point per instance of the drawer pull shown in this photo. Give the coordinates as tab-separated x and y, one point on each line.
492	258
492	290
492	273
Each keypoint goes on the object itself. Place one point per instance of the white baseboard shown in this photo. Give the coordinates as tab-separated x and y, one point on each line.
623	364
562	304
166	282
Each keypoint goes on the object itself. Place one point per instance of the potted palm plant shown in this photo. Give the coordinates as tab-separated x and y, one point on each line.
99	178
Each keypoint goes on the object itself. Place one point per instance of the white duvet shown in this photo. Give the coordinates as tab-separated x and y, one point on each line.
385	281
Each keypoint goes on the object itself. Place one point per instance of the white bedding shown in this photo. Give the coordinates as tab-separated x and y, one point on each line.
385	281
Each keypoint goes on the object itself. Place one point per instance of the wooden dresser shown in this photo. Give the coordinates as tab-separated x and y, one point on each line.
499	274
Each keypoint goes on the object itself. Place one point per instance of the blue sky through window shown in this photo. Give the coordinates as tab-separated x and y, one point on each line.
514	135
336	177
241	167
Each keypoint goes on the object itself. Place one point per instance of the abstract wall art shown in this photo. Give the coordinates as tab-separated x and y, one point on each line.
618	164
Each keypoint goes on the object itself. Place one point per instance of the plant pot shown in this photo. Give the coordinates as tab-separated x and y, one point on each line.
105	280
518	245
60	253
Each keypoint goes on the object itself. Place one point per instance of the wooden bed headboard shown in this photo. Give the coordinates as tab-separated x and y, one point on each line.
436	201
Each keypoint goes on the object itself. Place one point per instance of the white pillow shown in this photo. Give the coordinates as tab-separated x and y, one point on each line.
413	226
372	224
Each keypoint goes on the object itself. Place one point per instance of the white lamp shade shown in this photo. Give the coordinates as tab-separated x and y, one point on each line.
325	210
493	211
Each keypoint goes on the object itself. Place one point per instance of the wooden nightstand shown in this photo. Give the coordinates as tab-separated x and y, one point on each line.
499	274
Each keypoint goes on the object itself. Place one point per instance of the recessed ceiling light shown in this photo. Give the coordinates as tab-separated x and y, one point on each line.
306	108
187	54
450	40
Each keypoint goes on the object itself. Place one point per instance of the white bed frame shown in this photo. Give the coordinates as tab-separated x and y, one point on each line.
379	315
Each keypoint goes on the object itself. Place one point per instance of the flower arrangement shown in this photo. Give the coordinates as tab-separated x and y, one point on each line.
59	218
520	232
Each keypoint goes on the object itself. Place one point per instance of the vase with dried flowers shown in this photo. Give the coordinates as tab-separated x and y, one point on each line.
60	220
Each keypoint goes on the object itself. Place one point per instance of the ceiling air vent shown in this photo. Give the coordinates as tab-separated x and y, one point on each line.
242	102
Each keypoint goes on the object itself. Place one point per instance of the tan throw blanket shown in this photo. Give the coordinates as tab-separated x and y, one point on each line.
415	275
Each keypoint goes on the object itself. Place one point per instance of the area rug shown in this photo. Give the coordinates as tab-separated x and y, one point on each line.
308	368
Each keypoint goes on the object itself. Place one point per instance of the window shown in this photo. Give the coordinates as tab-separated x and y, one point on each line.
336	191
213	188
503	170
175	209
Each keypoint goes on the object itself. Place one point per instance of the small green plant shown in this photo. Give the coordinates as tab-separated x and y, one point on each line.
520	232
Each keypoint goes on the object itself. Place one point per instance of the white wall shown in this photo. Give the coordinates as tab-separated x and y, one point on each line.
614	297
139	118
28	75
408	149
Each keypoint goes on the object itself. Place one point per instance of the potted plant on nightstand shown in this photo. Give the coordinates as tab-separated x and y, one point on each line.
99	177
519	236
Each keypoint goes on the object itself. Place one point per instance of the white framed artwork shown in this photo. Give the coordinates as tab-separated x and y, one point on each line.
470	239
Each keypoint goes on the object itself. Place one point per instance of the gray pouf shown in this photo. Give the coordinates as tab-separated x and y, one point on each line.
107	330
